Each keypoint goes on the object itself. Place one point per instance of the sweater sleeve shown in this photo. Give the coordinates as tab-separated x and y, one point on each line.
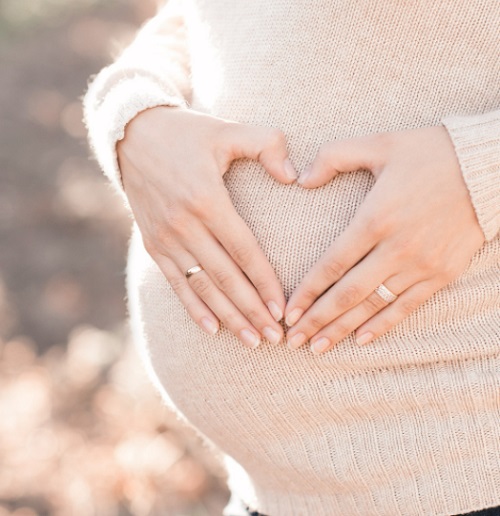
477	144
153	71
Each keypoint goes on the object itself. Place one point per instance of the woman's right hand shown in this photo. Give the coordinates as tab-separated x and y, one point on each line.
172	162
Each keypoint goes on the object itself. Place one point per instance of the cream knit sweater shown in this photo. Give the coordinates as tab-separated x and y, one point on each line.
409	425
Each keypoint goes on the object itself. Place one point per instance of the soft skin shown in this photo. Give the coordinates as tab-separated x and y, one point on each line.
172	162
415	232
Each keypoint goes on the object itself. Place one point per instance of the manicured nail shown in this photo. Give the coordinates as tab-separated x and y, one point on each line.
209	325
271	335
289	170
320	345
275	310
296	341
249	338
305	174
364	338
294	316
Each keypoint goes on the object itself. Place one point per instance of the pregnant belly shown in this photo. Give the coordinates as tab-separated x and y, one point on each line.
236	395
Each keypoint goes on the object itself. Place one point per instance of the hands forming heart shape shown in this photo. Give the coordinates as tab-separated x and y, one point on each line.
415	232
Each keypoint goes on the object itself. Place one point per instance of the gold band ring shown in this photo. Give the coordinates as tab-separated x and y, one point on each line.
193	270
385	293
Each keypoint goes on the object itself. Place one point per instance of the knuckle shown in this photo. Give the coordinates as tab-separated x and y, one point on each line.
164	236
200	284
190	200
383	325
310	294
409	305
252	314
174	224
405	248
178	284
190	307
198	202
242	255
340	330
428	262
347	296
224	280
375	303
149	246
261	284
231	319
377	226
333	270
316	322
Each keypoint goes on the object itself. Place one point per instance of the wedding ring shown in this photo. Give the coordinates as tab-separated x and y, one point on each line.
385	293
193	270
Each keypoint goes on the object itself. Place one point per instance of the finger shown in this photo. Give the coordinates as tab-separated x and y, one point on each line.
355	289
406	303
337	330
217	301
229	278
228	314
196	308
340	156
349	248
264	144
240	243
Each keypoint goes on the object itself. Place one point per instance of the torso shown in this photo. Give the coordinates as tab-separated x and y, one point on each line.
333	69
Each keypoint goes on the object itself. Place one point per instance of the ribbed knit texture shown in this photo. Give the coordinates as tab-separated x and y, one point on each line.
151	72
411	424
477	144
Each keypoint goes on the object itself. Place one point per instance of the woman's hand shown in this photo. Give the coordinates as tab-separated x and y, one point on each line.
415	232
172	162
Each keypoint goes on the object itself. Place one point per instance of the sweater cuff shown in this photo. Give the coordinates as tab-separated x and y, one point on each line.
477	143
107	116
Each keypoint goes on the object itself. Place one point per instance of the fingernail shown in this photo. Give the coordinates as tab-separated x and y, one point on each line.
296	341
289	170
364	338
275	310
249	338
305	174
209	325
271	335
294	316
320	345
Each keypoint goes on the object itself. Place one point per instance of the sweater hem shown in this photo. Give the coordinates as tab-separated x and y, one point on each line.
121	104
477	144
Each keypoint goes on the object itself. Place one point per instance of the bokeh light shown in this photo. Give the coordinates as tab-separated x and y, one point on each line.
82	432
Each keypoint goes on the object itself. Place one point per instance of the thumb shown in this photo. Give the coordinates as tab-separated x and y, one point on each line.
266	145
340	156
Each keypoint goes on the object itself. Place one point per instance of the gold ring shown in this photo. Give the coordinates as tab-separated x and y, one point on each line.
193	270
385	293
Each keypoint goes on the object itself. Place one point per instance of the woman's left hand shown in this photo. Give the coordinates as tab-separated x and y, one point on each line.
415	232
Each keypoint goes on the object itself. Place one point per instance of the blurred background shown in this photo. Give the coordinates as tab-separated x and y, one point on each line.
81	430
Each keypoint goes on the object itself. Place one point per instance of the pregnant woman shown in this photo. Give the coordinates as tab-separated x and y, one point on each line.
332	169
